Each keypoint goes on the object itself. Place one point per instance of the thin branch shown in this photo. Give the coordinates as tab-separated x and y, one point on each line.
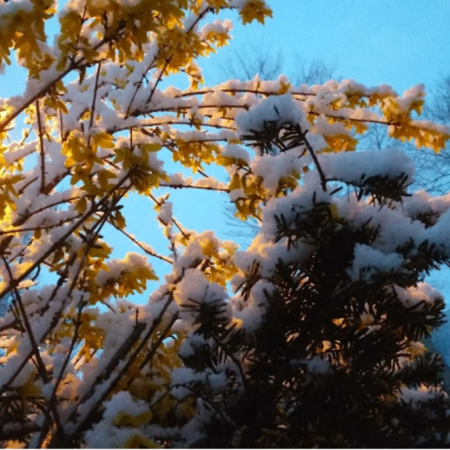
39	94
55	182
103	378
52	248
35	347
51	325
52	400
176	121
94	98
39	227
161	73
25	137
75	65
380	122
34	344
25	217
61	125
190	186
41	144
323	179
18	433
193	25
90	243
175	222
184	108
243	91
161	338
124	369
140	245
204	141
200	171
22	189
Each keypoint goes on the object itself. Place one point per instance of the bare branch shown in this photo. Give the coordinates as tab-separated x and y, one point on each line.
41	143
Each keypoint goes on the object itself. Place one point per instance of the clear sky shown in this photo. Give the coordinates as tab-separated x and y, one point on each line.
400	43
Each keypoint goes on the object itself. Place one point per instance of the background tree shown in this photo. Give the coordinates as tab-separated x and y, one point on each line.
434	168
261	60
267	63
433	172
81	364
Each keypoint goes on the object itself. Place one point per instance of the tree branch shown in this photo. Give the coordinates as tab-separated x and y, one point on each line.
41	143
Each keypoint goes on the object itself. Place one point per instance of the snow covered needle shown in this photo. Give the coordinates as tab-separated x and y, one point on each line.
80	364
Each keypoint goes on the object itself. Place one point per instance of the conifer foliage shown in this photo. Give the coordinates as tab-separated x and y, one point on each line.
328	353
310	337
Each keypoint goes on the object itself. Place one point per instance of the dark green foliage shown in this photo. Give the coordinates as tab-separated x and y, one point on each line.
335	360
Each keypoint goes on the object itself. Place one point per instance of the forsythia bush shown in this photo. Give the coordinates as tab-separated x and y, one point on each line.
308	338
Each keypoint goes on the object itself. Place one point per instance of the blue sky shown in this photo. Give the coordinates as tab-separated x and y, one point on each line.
400	43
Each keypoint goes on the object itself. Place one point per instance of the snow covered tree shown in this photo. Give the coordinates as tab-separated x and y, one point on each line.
321	345
81	364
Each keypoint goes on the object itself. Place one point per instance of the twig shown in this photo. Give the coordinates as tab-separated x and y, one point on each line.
174	122
25	217
35	348
190	186
75	65
243	91
323	179
155	347
173	219
52	248
52	400
61	126
103	377
18	433
141	246
97	227
34	344
51	326
94	99
124	369
41	143
160	75
39	227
